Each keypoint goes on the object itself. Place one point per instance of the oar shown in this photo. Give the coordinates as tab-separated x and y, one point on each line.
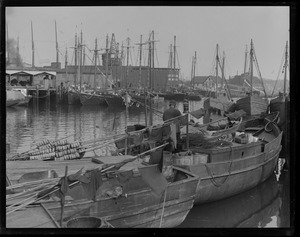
31	183
8	197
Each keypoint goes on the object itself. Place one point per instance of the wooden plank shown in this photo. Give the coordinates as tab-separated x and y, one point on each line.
15	169
29	218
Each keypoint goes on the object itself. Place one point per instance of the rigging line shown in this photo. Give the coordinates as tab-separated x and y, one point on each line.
257	67
130	55
281	65
155	49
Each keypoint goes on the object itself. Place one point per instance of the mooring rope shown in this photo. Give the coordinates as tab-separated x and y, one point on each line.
163	209
213	179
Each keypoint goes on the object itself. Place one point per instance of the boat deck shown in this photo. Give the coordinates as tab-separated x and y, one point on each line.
15	169
28	217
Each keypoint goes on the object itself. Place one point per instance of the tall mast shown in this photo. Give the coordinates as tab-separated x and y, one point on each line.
195	62
217	62
127	62
18	53
223	69
117	62
170	63
194	67
251	67
245	63
57	57
141	53
153	48
174	54
96	55
149	77
285	67
32	44
122	56
66	63
192	71
80	59
106	61
83	55
76	54
7	45
152	59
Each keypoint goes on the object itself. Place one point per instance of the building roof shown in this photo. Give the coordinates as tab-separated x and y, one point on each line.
202	79
29	72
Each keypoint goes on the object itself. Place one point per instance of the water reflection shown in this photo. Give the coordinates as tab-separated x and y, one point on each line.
258	207
48	120
267	205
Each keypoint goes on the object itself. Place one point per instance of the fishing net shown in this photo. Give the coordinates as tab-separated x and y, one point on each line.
199	140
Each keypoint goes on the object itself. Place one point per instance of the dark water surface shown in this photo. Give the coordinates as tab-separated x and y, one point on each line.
267	205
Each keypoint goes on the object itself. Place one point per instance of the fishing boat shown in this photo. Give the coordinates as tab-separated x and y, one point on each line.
281	104
114	100
73	92
134	196
73	97
221	101
175	95
234	164
13	97
193	96
277	104
252	104
92	97
23	100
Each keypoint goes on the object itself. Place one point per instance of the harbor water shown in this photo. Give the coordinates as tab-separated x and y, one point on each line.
267	205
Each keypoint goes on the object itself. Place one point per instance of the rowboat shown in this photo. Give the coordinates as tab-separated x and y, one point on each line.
137	195
231	166
13	97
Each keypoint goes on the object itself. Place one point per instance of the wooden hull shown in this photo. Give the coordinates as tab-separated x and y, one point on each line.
252	105
276	104
73	98
13	97
139	207
25	102
222	104
114	100
91	99
141	99
194	97
11	102
236	168
175	96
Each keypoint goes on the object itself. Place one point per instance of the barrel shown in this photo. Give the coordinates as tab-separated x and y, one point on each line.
84	222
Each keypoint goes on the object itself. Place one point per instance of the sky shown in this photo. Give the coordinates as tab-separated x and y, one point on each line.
197	29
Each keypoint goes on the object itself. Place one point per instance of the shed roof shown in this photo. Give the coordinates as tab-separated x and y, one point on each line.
202	79
33	73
